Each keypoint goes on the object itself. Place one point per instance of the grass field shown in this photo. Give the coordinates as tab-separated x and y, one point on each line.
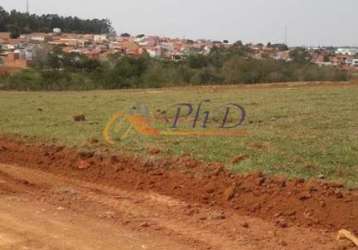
295	131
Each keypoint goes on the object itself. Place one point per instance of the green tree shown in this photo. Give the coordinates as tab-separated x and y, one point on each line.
14	31
197	61
300	55
4	16
26	23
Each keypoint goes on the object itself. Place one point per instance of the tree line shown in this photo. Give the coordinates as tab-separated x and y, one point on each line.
55	70
22	23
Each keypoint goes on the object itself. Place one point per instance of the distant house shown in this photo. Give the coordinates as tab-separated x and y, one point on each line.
154	52
355	63
343	59
72	42
8	46
100	38
347	51
57	31
282	55
151	41
128	47
38	37
15	59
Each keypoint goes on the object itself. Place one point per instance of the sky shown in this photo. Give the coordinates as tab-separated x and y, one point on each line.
308	22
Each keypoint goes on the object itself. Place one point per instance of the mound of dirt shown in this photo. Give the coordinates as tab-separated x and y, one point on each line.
79	118
312	203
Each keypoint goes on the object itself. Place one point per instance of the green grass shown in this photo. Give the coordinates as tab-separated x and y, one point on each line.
293	131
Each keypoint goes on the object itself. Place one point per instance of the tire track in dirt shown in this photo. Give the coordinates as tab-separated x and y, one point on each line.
31	225
137	210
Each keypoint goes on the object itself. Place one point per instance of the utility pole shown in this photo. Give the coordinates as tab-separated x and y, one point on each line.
27	7
286	34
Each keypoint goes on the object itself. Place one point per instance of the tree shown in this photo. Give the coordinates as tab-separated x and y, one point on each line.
4	16
238	43
300	55
197	61
326	58
280	46
26	23
126	35
239	70
14	31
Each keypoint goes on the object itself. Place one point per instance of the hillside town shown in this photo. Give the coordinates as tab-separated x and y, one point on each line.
20	52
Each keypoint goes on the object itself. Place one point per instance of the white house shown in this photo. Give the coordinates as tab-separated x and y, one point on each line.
347	51
38	37
355	62
100	38
154	51
57	31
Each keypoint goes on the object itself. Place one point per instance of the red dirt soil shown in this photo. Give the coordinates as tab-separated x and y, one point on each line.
5	70
287	203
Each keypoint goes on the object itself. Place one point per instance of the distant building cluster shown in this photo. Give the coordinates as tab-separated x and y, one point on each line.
20	52
346	58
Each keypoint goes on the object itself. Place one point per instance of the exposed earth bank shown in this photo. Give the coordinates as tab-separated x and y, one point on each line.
69	199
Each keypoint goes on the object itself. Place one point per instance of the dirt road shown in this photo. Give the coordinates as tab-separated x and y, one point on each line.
39	210
25	224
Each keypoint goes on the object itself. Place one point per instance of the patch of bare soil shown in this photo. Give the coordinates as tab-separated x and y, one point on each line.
5	70
196	205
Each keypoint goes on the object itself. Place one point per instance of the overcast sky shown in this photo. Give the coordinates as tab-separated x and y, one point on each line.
309	22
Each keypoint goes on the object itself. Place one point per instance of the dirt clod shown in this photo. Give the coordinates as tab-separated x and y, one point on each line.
144	225
245	225
239	159
305	196
338	194
79	118
321	177
215	215
93	141
281	222
154	151
108	215
260	181
86	154
283	243
83	164
229	193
